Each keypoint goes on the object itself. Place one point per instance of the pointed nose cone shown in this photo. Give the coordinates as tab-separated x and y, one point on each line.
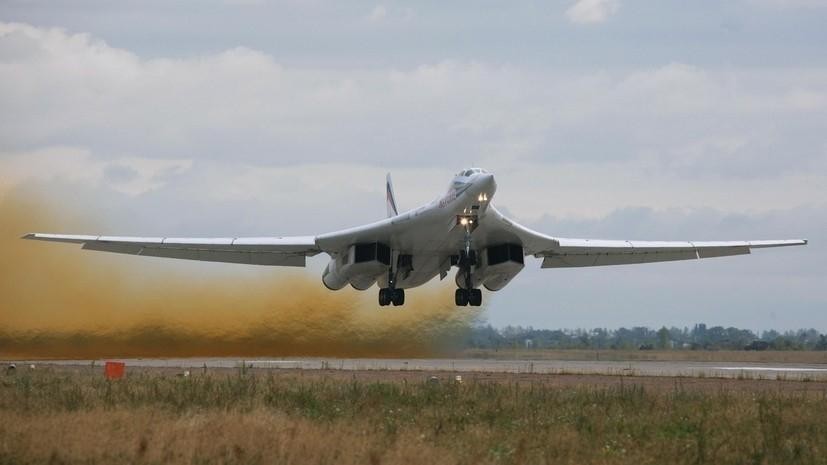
486	181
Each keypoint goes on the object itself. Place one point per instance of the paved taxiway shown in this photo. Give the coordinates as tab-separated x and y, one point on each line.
791	371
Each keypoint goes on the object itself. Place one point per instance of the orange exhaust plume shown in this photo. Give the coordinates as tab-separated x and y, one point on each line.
57	301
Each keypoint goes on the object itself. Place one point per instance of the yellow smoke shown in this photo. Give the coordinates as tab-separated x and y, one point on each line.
57	301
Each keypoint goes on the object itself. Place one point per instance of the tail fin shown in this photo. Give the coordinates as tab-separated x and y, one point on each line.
392	210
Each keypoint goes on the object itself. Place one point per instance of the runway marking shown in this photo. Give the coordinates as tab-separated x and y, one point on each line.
272	361
770	369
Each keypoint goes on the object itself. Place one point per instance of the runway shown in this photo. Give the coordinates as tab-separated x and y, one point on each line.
775	370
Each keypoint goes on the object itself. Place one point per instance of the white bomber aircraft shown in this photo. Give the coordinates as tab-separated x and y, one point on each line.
460	228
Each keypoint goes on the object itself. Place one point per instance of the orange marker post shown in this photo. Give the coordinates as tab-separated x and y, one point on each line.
114	370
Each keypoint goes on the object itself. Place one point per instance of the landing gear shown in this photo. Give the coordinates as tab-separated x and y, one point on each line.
472	297
467	258
398	297
393	296
467	295
475	297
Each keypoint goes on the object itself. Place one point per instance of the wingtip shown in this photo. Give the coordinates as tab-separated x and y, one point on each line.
28	236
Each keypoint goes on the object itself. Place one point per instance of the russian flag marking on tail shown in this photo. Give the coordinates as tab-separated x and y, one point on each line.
391	201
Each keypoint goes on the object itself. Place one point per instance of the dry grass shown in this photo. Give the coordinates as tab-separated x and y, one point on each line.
148	435
150	417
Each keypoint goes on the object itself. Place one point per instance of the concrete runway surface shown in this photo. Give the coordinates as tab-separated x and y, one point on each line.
775	370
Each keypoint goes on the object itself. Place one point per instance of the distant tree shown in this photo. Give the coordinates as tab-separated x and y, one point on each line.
699	337
699	334
770	335
663	338
822	342
785	342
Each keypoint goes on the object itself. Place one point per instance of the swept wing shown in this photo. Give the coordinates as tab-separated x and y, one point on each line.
274	251
559	252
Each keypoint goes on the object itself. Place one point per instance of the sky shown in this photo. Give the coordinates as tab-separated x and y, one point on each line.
613	119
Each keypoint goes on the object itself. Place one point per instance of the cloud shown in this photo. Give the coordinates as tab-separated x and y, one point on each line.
789	4
377	14
127	175
381	13
232	123
592	11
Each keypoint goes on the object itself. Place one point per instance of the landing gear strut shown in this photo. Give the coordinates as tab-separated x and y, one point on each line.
391	295
467	295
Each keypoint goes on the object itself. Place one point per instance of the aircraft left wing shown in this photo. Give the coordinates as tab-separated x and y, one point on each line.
589	252
272	251
558	252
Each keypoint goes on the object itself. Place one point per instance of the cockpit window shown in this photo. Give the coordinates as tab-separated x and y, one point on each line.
471	172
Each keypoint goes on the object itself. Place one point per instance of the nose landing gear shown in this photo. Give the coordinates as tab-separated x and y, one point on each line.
467	295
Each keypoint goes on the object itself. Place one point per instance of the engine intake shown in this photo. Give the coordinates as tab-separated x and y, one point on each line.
497	267
500	264
358	266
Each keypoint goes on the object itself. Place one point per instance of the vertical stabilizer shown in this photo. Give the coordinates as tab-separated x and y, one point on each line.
392	210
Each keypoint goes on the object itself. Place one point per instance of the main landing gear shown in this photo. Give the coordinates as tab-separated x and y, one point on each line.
472	297
391	295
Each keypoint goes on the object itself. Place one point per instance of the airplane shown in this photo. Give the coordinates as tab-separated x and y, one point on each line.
459	229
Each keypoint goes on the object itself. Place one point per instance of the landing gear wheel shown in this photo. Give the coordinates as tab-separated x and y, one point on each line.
475	297
384	296
389	296
398	297
461	297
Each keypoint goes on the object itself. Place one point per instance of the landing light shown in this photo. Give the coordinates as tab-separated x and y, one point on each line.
463	221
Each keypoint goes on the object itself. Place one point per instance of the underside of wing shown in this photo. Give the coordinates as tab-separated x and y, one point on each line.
558	252
272	251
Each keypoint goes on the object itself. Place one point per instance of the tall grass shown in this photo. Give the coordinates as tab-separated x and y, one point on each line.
375	422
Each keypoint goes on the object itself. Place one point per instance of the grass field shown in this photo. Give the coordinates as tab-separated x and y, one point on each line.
75	416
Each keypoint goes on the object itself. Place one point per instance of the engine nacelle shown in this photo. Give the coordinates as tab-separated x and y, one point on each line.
332	277
358	266
496	267
362	282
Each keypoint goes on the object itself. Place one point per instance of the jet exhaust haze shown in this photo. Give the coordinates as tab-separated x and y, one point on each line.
61	302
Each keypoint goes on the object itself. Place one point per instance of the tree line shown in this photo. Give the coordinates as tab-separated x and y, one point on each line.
699	337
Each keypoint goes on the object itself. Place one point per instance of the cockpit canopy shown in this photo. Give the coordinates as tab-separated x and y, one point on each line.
470	172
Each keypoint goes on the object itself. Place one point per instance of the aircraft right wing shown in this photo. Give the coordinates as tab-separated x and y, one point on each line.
558	252
272	251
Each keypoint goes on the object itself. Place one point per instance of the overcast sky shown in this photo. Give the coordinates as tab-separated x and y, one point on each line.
616	119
